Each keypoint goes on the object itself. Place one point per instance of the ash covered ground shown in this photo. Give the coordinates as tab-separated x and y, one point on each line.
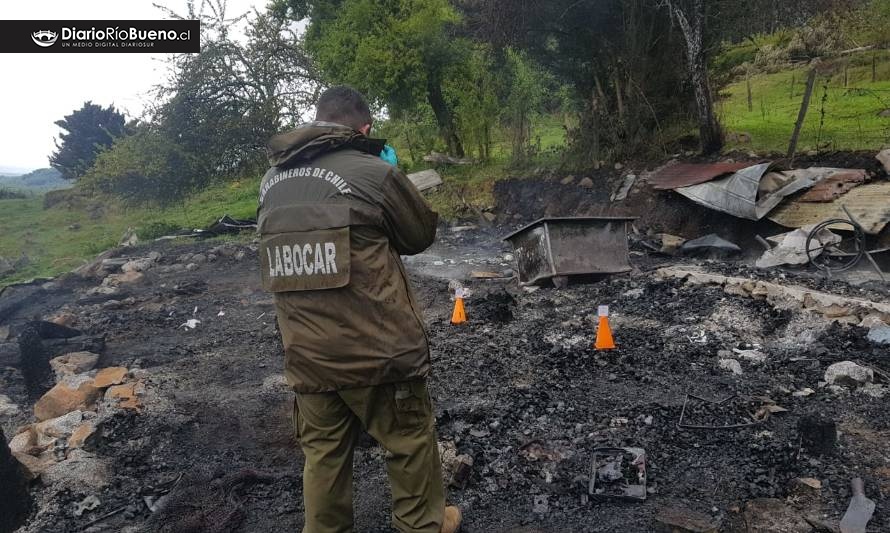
519	388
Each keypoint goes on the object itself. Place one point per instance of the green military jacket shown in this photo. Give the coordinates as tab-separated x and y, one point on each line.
333	220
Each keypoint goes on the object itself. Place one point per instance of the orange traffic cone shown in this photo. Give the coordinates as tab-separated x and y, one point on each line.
604	340
459	316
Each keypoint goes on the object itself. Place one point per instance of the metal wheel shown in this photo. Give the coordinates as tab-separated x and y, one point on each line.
840	256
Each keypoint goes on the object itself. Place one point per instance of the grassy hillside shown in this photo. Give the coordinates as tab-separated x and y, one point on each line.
51	244
40	180
840	117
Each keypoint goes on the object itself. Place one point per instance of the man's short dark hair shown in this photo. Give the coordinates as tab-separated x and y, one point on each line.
342	104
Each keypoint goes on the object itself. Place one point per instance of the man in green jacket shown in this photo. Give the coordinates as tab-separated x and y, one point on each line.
333	219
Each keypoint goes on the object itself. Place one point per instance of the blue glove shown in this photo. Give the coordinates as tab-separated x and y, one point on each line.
389	155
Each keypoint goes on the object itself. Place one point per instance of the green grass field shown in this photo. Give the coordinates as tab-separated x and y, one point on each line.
839	117
44	238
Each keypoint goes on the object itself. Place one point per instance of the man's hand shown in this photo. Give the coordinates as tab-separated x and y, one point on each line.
389	155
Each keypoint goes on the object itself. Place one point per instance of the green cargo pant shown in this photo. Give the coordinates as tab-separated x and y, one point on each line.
400	417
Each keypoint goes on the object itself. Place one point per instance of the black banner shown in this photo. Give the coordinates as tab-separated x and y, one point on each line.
98	36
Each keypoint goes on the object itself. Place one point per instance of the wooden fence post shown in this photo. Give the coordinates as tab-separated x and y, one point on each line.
802	114
748	83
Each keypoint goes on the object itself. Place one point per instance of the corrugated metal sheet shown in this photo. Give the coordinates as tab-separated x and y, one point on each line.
753	192
869	203
737	194
836	183
686	174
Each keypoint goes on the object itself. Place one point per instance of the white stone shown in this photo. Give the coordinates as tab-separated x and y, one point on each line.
60	427
730	364
80	472
73	363
7	407
23	442
137	265
871	321
880	334
275	382
884	157
875	391
754	356
848	374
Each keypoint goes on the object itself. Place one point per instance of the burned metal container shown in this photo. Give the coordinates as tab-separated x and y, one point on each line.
567	246
618	473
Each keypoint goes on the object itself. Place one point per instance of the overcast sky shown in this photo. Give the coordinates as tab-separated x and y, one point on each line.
38	89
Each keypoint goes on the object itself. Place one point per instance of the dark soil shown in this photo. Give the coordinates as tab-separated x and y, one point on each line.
215	435
519	387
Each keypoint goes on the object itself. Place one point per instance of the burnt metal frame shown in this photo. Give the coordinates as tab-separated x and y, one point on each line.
716	402
591	487
544	224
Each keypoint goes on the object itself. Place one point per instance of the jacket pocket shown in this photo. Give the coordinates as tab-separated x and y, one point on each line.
305	260
295	419
412	405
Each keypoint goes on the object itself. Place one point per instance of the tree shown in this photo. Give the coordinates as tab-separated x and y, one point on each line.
527	87
223	104
145	168
620	61
474	86
398	52
86	132
690	16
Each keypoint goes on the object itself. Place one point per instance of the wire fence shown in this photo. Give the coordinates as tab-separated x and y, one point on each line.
851	116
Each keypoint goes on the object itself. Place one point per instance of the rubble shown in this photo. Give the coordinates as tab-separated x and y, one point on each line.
138	265
781	295
848	374
866	202
709	244
791	247
60	427
85	436
425	179
87	504
73	363
7	406
731	365
64	398
753	356
879	333
24	441
126	278
81	472
680	519
110	376
771	514
519	390
805	492
670	244
884	157
124	396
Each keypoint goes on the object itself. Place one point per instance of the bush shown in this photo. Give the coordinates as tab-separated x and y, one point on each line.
145	168
10	194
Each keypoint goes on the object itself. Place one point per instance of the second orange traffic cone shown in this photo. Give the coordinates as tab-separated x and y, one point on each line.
604	340
459	315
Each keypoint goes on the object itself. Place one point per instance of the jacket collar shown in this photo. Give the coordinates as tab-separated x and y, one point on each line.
313	139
